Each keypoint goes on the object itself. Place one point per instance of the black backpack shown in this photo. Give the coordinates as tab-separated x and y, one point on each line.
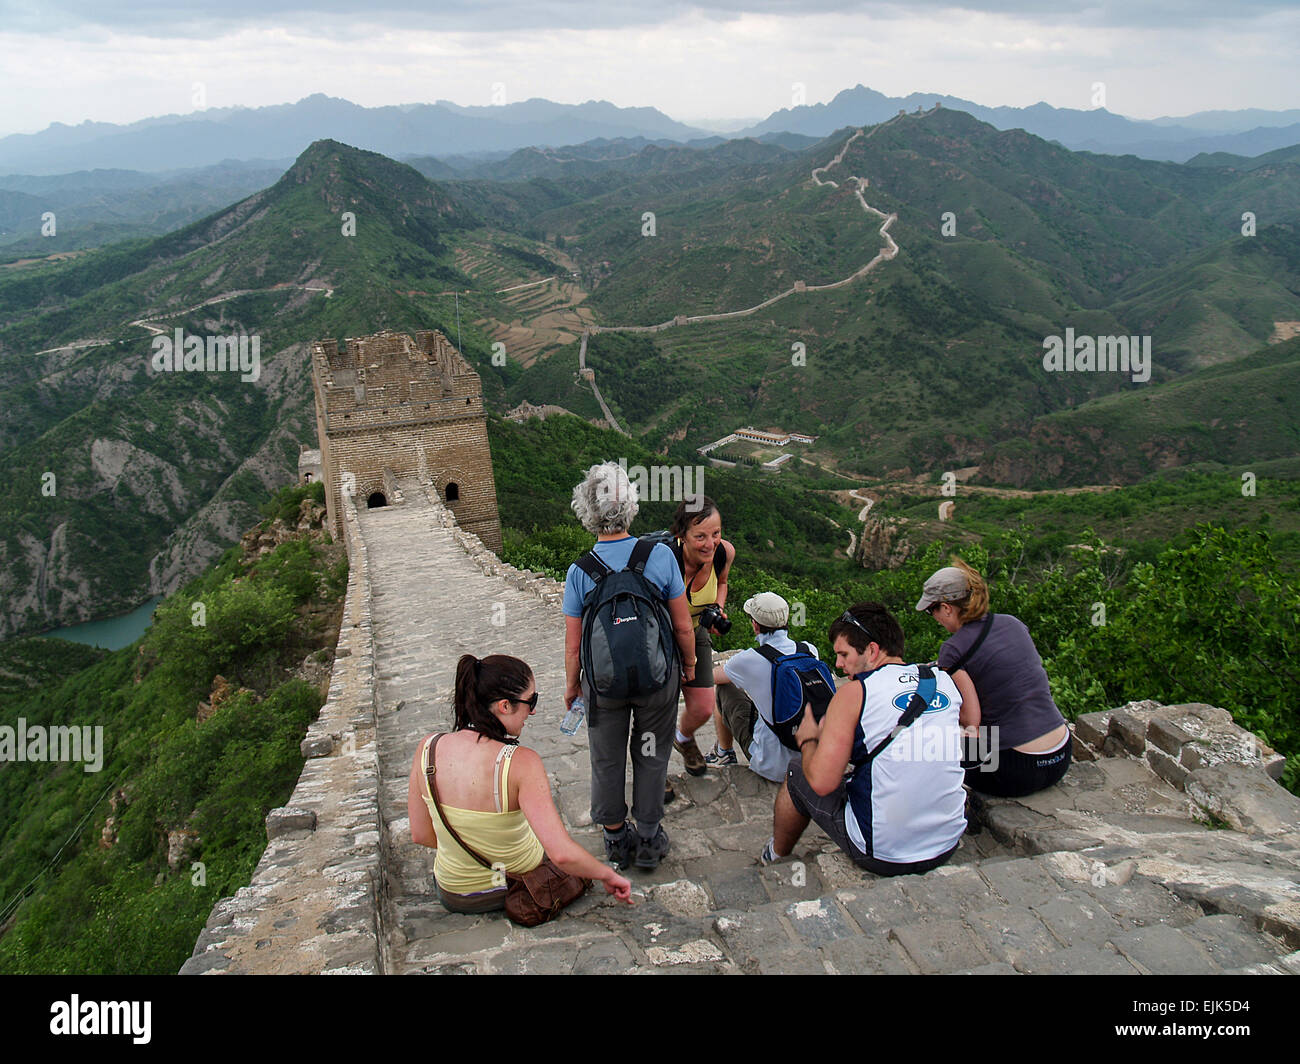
628	648
798	679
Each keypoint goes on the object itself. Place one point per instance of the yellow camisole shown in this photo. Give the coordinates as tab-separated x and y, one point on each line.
502	838
708	594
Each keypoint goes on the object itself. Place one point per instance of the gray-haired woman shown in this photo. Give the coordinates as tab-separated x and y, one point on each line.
606	503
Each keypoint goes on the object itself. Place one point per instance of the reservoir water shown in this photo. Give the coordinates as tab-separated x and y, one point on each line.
112	633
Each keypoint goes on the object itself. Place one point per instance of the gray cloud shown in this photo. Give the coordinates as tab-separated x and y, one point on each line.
165	18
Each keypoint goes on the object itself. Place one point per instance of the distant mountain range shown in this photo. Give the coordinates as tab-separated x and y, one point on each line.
204	138
1249	132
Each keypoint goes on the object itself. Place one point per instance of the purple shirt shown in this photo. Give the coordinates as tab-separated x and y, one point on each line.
1009	678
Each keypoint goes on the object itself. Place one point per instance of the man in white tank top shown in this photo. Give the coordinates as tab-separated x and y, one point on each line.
901	811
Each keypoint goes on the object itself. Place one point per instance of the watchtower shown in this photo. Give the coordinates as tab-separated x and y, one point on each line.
389	406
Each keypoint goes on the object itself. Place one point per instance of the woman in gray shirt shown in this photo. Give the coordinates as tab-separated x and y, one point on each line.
1005	692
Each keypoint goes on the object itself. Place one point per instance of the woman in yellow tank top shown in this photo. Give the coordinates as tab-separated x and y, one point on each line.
706	566
494	792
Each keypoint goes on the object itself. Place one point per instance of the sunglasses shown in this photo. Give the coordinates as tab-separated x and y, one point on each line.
531	703
848	618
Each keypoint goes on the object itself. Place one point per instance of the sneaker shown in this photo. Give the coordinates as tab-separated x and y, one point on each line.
650	853
719	758
620	849
691	755
768	856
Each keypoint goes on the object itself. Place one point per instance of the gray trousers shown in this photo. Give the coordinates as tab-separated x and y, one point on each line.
652	723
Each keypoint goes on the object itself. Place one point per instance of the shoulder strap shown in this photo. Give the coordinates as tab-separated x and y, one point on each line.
719	560
429	772
921	697
501	774
591	564
771	653
640	555
808	649
984	634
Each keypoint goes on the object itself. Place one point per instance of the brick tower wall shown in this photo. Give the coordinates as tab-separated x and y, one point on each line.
414	407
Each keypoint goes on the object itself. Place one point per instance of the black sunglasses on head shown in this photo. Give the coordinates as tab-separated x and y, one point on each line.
848	618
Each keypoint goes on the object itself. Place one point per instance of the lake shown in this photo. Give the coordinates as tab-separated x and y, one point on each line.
112	633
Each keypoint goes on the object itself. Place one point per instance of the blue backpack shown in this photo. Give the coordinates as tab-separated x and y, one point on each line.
798	679
628	649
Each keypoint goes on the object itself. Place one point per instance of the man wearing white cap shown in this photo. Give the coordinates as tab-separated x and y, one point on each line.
744	687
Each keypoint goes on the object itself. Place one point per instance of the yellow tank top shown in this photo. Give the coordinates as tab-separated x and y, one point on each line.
697	600
502	838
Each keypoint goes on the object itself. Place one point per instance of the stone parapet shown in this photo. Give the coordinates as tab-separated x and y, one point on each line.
314	902
546	588
1175	741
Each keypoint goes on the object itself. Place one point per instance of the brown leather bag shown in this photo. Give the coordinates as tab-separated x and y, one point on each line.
533	897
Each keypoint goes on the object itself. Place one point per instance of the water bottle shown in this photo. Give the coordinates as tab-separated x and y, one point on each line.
573	719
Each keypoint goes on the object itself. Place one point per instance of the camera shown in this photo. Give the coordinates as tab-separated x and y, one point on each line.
711	617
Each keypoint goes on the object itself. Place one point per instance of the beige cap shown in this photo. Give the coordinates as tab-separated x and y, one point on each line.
947	585
768	609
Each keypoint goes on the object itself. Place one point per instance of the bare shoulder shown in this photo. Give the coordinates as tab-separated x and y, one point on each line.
419	747
526	761
729	552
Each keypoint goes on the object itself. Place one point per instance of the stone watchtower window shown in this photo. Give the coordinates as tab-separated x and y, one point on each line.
376	500
453	491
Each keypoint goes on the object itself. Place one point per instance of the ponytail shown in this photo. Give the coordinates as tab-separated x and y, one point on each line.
975	603
479	684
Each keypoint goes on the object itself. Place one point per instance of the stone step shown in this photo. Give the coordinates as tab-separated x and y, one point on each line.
954	920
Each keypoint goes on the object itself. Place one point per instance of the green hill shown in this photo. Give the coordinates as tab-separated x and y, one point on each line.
111	865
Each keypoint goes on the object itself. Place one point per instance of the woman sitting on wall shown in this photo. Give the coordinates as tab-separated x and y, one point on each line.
495	793
1024	741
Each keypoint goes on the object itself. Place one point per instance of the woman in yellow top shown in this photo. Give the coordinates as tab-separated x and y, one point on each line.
495	793
705	558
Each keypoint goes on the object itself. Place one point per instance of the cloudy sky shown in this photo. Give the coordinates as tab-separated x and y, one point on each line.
76	60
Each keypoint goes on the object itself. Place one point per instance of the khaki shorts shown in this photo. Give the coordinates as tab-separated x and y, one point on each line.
738	713
703	660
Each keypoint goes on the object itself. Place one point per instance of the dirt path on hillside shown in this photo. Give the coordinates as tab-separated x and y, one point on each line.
147	323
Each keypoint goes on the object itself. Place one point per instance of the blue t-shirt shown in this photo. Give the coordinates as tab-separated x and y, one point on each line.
661	570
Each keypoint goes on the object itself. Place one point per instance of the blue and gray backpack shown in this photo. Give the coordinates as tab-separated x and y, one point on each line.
628	649
798	679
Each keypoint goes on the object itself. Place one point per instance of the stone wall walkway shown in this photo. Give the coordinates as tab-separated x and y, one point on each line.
710	906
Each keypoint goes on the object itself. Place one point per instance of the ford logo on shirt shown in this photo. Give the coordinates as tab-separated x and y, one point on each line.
939	702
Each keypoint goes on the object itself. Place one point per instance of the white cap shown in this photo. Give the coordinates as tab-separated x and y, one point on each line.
768	609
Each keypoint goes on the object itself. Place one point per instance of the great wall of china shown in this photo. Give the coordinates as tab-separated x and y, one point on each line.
1168	847
1117	869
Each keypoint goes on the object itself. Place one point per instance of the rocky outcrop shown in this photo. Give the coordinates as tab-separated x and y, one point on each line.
881	545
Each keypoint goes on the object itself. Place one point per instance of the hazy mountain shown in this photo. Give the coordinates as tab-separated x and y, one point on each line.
1097	130
96	207
207	137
